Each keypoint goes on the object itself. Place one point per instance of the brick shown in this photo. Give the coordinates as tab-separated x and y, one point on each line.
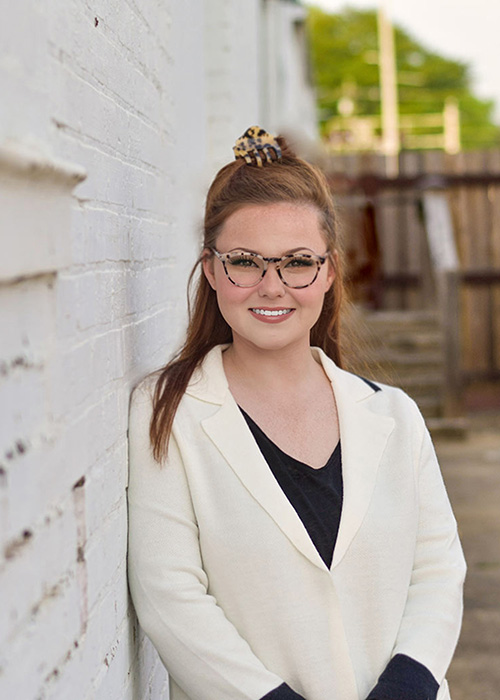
35	558
25	311
105	485
29	658
24	395
105	552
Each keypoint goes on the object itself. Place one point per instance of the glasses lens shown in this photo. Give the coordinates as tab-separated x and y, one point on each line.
299	270
244	269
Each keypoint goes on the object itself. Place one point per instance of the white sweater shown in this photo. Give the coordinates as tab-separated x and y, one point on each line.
226	581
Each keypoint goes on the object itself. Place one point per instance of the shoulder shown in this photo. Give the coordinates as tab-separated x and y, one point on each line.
393	397
361	387
206	389
394	402
387	402
141	408
376	396
143	392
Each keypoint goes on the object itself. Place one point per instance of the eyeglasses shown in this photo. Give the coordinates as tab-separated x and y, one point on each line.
245	269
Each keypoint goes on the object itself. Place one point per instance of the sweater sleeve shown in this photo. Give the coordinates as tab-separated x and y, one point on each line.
405	678
200	647
432	616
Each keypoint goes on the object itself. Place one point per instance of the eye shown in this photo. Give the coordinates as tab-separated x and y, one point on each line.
299	262
241	260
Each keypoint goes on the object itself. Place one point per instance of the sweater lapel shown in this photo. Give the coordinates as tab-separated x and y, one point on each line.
363	436
228	430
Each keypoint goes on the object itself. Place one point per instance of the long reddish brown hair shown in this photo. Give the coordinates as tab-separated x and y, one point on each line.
237	185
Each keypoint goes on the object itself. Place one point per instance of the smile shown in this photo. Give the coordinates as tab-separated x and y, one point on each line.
266	312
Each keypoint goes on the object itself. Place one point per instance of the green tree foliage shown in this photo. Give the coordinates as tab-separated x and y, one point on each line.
344	50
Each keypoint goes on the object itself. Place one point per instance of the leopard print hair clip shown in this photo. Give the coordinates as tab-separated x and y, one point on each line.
254	144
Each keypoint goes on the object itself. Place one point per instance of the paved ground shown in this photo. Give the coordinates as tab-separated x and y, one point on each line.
471	469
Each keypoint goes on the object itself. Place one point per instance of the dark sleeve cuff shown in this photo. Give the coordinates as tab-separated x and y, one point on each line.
405	679
282	692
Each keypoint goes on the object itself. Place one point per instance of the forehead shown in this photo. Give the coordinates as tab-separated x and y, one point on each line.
273	229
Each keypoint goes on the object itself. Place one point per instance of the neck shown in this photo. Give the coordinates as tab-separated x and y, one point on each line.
285	367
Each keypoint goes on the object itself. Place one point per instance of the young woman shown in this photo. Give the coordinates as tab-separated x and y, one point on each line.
290	535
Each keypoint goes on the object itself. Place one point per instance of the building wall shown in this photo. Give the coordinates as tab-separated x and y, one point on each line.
118	113
287	96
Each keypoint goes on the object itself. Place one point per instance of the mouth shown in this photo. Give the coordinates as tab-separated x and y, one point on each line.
272	313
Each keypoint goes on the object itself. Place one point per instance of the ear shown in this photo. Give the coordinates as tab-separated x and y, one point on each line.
208	267
332	263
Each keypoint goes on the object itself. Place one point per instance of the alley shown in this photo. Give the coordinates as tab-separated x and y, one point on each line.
471	469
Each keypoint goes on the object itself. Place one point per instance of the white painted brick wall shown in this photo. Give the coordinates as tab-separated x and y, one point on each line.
146	97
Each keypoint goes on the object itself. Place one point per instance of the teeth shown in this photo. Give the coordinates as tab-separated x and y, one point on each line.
265	312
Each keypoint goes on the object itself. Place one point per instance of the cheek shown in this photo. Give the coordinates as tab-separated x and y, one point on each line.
314	295
229	294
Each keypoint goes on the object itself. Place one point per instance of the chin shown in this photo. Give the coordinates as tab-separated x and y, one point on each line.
271	342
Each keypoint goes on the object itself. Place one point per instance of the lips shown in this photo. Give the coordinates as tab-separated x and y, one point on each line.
272	313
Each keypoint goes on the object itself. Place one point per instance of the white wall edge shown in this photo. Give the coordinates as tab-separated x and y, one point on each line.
23	160
35	210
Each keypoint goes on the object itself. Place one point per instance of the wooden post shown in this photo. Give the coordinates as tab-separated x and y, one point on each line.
449	297
451	126
445	264
389	93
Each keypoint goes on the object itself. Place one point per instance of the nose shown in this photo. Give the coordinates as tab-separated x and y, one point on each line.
271	284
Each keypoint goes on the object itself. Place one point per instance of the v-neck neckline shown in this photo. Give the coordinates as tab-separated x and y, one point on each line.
330	461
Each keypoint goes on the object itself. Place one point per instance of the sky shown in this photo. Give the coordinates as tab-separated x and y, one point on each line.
467	30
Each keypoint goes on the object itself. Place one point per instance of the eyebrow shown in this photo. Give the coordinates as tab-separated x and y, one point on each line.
288	252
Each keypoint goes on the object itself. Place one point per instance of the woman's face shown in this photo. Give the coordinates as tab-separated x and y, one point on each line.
272	230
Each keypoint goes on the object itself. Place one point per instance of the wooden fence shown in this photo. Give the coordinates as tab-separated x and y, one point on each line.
386	226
